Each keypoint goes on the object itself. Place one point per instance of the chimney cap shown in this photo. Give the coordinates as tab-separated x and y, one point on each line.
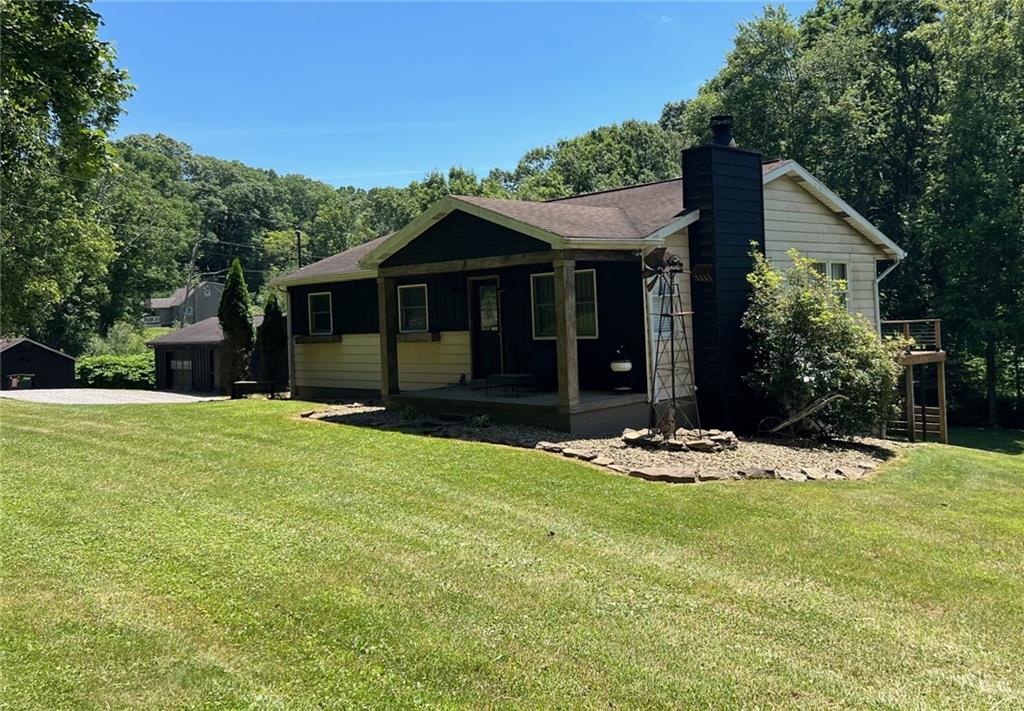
721	130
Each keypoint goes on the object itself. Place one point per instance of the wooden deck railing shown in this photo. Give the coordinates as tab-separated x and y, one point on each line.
926	333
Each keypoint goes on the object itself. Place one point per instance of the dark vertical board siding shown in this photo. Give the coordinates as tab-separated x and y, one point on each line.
354	306
725	185
51	370
463	236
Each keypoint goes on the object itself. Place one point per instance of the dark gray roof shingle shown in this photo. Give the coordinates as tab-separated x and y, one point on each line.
205	332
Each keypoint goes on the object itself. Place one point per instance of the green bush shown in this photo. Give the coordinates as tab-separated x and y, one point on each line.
807	346
123	338
113	371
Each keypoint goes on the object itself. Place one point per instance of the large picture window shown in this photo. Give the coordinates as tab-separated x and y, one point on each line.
320	317
412	309
542	294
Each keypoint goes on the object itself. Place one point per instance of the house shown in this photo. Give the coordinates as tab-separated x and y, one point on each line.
189	359
25	363
518	308
185	305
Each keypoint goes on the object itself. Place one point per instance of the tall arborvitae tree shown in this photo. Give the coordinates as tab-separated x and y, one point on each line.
236	322
272	341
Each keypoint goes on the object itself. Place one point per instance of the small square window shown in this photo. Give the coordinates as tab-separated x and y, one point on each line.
412	309
321	320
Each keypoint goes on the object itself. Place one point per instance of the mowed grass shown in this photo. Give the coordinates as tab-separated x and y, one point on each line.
232	555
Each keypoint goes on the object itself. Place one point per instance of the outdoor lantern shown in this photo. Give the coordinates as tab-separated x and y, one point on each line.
621	367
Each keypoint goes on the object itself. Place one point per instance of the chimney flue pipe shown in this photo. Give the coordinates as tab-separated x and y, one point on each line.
721	130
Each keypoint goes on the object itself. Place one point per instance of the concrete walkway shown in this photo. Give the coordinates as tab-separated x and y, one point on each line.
99	396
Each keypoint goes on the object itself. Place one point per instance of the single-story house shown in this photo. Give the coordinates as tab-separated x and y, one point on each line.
518	308
189	358
25	363
185	305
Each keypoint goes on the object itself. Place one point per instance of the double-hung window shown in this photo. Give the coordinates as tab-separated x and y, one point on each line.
320	317
542	294
836	273
412	309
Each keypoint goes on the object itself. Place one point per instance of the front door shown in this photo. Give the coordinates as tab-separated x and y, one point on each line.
485	328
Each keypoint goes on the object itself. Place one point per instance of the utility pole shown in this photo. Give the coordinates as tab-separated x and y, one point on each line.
298	246
188	279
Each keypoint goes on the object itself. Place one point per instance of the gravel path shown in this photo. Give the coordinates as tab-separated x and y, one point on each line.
100	396
862	453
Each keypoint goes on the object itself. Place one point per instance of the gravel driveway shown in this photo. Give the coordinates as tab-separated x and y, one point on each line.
100	396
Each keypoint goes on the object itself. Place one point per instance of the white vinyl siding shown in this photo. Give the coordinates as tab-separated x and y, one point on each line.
795	219
354	362
658	303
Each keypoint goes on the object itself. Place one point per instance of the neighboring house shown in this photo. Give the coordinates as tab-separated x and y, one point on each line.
189	359
201	302
499	294
24	363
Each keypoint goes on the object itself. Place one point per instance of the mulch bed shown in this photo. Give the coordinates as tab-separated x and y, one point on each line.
750	458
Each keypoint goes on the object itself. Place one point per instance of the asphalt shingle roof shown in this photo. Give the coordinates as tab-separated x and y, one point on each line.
205	332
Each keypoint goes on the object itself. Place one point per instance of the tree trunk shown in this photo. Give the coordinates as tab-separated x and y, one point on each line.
990	383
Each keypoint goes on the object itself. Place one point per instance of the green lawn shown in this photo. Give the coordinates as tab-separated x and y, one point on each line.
231	555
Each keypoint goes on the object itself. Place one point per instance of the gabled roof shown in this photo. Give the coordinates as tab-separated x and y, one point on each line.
177	297
205	332
6	343
624	218
338	267
561	224
836	204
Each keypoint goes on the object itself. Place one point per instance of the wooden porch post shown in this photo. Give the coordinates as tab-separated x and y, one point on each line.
565	333
940	369
387	310
291	345
911	425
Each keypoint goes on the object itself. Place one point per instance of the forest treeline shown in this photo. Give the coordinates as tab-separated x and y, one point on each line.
909	109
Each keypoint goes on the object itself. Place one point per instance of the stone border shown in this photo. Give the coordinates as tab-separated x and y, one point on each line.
687	475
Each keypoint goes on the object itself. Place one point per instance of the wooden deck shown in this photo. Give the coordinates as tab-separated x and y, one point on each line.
919	420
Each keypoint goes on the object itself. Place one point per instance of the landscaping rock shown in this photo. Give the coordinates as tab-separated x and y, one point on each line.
578	454
715	475
619	468
787	475
755	473
307	413
813	473
674	445
602	461
703	445
548	446
671	475
727	440
637	438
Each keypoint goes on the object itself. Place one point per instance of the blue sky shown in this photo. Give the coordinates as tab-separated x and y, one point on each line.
378	94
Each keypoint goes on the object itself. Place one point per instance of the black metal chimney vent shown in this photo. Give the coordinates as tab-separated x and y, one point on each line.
721	130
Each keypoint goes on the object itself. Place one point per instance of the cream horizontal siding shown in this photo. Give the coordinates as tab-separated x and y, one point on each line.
354	362
794	219
657	303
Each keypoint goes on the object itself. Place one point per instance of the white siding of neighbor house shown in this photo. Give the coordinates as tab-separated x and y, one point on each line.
795	219
354	363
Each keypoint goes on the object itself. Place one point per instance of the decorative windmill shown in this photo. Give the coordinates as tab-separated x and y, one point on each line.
672	369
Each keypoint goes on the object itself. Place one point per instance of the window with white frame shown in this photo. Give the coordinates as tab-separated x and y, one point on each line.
320	317
836	273
542	295
412	309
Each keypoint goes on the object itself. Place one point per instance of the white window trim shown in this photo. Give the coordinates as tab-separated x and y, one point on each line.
828	275
426	308
330	312
533	309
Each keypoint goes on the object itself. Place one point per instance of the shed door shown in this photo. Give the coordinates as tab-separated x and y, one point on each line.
181	370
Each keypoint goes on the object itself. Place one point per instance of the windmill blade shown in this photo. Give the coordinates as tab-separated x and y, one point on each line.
655	259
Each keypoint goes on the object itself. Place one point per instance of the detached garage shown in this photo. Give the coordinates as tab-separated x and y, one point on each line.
25	363
189	359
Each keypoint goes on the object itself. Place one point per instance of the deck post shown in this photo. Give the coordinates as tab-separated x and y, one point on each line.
291	345
387	310
911	424
940	369
565	335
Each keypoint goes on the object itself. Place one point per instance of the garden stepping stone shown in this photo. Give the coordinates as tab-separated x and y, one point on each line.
671	475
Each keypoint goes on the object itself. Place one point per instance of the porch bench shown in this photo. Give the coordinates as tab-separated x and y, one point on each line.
509	382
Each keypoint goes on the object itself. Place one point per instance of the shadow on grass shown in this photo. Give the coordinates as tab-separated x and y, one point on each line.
988	439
